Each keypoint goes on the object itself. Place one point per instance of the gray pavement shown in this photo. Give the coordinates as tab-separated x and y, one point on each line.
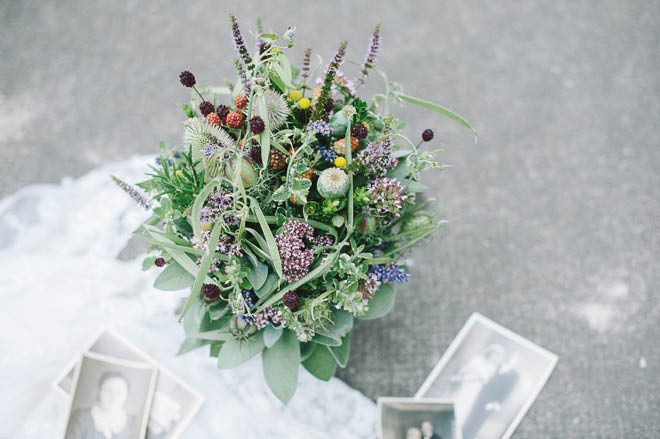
554	214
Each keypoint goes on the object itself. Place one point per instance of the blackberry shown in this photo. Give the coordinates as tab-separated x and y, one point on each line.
234	120
255	154
276	160
160	262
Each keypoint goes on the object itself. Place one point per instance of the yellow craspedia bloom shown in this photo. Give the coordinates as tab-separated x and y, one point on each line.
304	103
275	49
340	162
295	95
179	174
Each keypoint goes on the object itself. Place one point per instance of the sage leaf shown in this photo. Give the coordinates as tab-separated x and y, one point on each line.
281	363
321	364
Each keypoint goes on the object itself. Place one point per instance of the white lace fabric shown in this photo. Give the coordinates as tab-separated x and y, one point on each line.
61	281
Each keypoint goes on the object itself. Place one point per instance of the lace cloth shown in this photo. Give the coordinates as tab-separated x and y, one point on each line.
61	281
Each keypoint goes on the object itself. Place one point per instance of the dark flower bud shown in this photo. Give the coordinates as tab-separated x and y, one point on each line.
359	131
290	300
427	135
211	292
257	125
160	262
187	79
206	108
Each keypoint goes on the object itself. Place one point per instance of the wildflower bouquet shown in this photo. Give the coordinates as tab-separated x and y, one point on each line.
287	211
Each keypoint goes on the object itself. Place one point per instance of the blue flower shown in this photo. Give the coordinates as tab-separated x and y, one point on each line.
177	155
250	297
327	154
389	273
320	127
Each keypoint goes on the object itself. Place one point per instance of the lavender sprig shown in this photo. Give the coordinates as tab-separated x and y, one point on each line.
319	108
372	52
132	192
245	79
239	43
305	64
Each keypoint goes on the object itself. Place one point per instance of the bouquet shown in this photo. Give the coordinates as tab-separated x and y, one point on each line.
287	210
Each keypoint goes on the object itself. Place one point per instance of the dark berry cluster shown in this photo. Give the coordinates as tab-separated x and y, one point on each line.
206	108
257	125
211	292
187	79
359	131
290	300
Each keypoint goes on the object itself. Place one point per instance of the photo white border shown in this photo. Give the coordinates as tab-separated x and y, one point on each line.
120	362
73	364
402	399
449	353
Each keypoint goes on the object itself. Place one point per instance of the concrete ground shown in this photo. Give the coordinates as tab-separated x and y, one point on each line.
554	214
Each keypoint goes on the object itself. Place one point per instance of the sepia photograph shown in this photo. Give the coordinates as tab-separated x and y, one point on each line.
411	418
493	376
174	404
110	398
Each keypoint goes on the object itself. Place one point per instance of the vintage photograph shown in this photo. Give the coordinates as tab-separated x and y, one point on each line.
174	404
411	418
493	376
110	398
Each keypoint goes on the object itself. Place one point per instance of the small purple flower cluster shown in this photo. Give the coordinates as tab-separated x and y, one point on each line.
132	192
298	229
217	203
377	157
372	52
391	273
226	245
370	286
269	314
296	257
324	240
320	127
239	43
386	195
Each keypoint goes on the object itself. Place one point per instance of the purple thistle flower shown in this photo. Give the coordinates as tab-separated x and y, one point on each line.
245	79
386	195
319	108
377	157
372	52
390	273
239	43
305	64
132	192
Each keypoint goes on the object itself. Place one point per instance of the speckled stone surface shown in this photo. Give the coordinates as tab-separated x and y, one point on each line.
554	214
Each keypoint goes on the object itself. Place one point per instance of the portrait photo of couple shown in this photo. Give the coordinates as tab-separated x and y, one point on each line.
425	431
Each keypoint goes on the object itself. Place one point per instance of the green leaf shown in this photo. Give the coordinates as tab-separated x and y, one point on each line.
337	220
341	353
400	172
268	236
343	321
281	194
268	286
271	335
281	363
321	364
277	81
268	36
413	186
381	304
173	278
215	349
327	339
306	350
235	352
257	276
437	108
197	207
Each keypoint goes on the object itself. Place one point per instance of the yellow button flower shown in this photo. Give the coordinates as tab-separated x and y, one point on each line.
340	162
295	95
304	103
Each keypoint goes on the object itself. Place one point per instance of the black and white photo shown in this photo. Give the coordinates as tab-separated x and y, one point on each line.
110	398
410	418
493	376
174	404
